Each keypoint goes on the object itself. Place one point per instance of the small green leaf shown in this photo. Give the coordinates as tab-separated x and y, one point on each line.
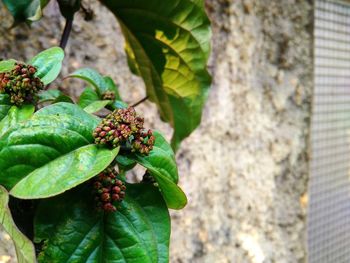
173	195
24	248
92	77
49	95
64	173
63	98
162	166
138	232
15	116
96	106
125	163
111	86
161	158
5	105
25	10
54	96
118	104
87	97
7	65
168	45
48	63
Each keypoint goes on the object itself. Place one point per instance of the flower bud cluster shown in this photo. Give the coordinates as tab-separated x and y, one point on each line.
21	84
124	127
108	95
108	190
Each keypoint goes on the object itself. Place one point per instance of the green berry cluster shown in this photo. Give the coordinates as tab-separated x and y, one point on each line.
124	127
108	190
108	95
21	84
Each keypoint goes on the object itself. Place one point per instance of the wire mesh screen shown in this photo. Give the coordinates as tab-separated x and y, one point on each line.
329	190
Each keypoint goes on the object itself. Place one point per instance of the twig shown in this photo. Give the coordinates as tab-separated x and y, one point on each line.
66	33
139	102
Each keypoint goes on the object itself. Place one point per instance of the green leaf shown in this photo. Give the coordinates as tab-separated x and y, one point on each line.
15	116
49	95
72	111
52	132
138	232
169	44
92	77
5	105
54	96
111	86
24	248
7	65
63	98
48	63
125	163
87	97
101	85
199	2
25	10
162	166
161	158
118	104
96	106
65	172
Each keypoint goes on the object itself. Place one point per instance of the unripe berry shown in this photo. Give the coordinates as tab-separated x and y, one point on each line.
105	197
124	127
116	189
108	207
107	189
21	84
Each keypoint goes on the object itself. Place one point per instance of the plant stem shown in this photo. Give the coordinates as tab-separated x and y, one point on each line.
139	102
66	33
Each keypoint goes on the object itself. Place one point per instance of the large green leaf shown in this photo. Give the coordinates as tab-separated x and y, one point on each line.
199	2
52	132
168	45
65	172
24	248
15	116
7	65
48	63
138	232
5	105
73	111
25	10
162	166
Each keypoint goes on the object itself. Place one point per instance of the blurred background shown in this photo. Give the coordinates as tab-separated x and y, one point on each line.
246	168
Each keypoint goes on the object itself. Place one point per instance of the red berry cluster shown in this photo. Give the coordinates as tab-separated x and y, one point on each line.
108	189
21	84
124	127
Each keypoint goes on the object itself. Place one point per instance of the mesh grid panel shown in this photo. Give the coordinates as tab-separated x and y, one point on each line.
329	188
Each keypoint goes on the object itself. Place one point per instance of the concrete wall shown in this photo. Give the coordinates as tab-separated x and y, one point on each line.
245	169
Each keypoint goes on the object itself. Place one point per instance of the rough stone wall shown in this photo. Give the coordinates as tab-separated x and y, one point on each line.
245	170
